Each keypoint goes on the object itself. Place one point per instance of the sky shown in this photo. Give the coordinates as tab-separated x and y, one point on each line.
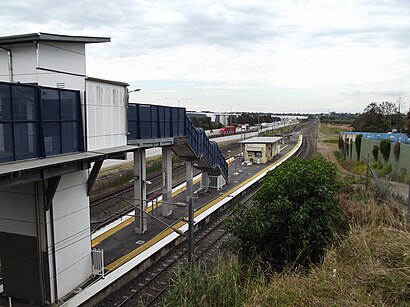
302	56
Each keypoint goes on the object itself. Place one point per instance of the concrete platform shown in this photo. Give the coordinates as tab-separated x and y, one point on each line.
124	249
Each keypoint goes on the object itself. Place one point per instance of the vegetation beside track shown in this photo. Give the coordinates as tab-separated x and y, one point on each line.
368	264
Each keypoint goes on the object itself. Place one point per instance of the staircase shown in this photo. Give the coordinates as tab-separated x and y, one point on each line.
209	156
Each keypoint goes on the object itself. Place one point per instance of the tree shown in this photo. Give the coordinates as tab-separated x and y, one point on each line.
408	123
294	217
388	109
372	119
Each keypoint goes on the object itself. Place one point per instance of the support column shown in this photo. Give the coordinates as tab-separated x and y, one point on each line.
205	181
189	180
140	191
166	181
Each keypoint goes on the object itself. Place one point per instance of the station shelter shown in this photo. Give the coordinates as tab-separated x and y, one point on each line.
261	149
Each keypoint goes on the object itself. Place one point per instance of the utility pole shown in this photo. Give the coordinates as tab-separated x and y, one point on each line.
259	124
190	230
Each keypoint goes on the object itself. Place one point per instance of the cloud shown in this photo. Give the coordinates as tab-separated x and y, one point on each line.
291	53
385	93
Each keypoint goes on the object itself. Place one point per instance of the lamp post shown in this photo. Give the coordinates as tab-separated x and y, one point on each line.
132	91
179	99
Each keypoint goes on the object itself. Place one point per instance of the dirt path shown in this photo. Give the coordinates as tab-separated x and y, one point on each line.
328	153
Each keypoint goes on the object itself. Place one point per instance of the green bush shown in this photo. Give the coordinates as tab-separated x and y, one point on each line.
385	149
387	169
295	216
341	143
358	143
375	152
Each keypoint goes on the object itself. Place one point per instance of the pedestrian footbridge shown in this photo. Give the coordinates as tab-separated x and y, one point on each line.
154	125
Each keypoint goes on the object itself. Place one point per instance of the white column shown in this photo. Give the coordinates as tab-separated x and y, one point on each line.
205	181
189	180
140	191
166	181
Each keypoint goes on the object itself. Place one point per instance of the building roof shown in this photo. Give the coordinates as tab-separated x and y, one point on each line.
48	37
262	140
119	83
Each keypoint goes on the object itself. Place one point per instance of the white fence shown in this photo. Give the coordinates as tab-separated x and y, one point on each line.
97	256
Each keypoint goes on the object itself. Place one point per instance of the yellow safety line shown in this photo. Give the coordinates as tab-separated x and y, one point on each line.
129	221
162	235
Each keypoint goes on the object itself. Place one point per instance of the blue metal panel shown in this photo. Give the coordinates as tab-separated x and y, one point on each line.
394	137
152	122
38	122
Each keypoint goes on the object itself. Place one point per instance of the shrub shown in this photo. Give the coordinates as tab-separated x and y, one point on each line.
385	149
295	216
341	143
387	169
375	152
358	143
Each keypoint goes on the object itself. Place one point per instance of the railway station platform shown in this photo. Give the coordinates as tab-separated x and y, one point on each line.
127	252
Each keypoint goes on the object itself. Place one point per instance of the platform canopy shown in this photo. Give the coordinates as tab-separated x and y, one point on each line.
262	140
20	172
48	37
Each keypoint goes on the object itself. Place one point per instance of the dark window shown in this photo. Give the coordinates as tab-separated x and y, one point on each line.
25	134
154	129
50	104
69	105
145	130
6	142
69	131
52	138
132	128
145	113
26	140
5	103
24	103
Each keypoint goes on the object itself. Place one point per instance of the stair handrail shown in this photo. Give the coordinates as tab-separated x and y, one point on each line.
200	143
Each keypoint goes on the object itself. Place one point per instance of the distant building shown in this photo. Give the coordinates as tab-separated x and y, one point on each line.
261	149
192	114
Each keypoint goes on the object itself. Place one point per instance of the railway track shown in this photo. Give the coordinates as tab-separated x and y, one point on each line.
309	131
148	288
109	206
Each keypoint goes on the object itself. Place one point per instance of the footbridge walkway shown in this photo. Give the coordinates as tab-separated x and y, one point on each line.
154	125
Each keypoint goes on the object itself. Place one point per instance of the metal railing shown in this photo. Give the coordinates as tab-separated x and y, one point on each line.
384	190
97	260
205	148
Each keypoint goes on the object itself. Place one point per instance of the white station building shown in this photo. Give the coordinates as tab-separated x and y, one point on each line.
54	122
57	127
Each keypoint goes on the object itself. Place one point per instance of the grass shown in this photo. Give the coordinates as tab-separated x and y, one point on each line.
355	167
368	266
333	130
228	283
